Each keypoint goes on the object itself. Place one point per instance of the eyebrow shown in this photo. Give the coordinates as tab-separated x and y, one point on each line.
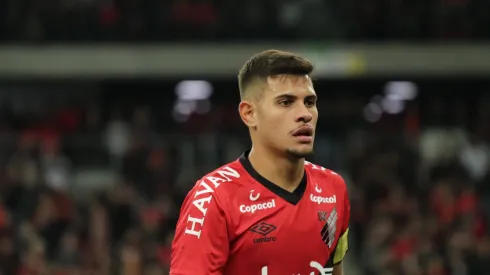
292	97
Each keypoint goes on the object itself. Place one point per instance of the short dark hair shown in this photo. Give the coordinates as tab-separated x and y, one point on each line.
271	63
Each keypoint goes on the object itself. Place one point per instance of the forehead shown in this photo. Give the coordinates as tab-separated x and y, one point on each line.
291	84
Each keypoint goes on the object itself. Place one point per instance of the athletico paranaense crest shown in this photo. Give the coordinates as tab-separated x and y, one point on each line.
328	230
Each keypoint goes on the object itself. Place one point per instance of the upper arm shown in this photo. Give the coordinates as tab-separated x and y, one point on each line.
201	243
338	269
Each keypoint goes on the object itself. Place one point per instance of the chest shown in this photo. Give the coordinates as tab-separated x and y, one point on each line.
287	237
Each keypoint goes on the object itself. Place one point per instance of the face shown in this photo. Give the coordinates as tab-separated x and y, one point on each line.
284	116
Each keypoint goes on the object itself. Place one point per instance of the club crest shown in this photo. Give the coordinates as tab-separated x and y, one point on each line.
330	227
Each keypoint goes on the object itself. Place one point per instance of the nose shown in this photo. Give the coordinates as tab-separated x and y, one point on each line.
304	115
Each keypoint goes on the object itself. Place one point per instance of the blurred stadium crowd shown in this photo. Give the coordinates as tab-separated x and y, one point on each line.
138	20
93	185
84	193
50	227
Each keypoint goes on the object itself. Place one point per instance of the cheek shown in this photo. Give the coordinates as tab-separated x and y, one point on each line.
270	119
267	124
314	113
271	125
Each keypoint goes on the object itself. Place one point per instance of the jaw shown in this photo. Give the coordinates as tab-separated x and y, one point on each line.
301	150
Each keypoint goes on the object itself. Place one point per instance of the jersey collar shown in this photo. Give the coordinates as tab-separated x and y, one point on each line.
291	197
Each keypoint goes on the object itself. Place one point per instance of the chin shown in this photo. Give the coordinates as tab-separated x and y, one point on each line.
300	151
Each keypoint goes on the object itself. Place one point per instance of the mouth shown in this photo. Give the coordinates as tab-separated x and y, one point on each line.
304	131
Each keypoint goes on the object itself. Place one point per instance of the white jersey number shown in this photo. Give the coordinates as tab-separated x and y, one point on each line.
313	264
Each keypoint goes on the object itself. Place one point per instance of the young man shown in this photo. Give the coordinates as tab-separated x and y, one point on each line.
270	212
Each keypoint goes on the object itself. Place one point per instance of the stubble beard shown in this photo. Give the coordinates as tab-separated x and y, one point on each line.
296	155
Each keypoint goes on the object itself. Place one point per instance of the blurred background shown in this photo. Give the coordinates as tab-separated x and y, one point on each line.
110	110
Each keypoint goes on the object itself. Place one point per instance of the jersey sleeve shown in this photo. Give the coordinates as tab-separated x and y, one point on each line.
201	244
343	242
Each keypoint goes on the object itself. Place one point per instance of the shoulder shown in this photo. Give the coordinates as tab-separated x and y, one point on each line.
325	177
211	194
220	182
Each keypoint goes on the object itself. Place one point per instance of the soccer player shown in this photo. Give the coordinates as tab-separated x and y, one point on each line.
270	212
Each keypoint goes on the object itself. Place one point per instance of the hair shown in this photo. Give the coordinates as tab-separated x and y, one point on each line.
271	63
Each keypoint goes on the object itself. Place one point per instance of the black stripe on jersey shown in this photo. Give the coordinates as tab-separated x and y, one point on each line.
331	258
324	233
291	197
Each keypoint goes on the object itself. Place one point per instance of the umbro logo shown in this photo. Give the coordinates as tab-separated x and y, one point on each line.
264	229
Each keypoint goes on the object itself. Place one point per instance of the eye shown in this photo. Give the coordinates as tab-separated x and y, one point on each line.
310	102
285	103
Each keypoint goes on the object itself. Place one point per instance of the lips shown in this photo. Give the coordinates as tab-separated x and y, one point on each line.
305	130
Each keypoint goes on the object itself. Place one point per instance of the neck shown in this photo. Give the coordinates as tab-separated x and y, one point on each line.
280	170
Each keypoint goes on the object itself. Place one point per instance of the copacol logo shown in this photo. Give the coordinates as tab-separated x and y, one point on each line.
320	200
263	229
257	207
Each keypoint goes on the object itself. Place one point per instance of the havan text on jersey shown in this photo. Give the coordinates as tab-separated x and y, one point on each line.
203	197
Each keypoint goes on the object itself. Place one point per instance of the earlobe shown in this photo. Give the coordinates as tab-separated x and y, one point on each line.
246	110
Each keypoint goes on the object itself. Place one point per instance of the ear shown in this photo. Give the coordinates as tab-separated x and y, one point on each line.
247	110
